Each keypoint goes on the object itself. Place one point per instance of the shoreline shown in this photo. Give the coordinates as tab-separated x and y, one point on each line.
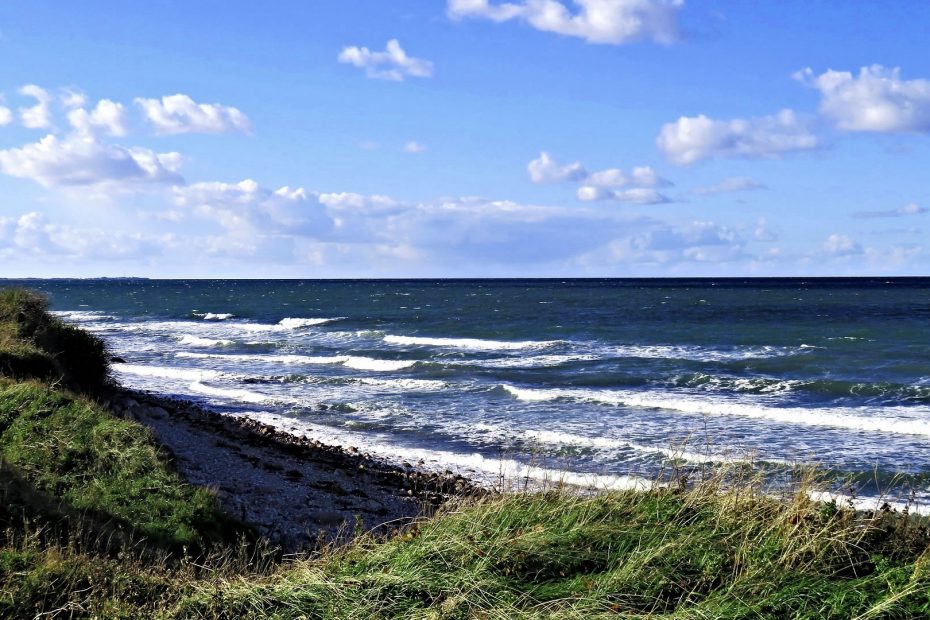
295	491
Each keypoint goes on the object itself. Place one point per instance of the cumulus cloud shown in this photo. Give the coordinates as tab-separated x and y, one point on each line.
637	186
252	216
700	241
179	114
108	116
694	138
31	234
6	116
414	147
82	160
392	64
730	184
38	116
614	22
841	245
876	99
72	98
909	209
544	169
635	195
640	176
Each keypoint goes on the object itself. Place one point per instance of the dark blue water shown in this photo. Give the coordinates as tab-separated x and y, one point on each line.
602	378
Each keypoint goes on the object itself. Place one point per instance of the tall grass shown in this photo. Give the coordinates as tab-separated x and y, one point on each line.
667	552
36	345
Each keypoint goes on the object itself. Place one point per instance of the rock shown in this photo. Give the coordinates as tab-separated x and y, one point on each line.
117	360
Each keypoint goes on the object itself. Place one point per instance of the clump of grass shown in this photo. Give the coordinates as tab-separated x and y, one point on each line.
36	345
70	449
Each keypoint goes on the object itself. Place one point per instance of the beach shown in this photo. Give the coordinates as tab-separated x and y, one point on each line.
292	490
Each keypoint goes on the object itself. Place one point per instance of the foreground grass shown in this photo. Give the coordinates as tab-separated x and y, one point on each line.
96	524
79	488
640	554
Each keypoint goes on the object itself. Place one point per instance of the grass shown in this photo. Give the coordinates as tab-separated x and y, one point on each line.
94	523
80	488
36	345
698	553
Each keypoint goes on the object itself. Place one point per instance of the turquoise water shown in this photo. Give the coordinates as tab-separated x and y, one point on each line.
598	377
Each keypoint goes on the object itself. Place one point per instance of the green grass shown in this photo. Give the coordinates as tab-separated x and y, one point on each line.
85	497
36	345
657	554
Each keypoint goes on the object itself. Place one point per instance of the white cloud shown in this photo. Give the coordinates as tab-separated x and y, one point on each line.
252	216
72	98
544	169
38	116
338	201
82	160
841	245
693	138
6	116
392	64
596	21
730	184
875	100
636	195
665	245
640	176
909	209
414	147
32	235
178	114
763	232
107	115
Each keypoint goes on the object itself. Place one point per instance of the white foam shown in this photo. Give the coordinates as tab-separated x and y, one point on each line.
744	384
475	344
244	396
699	354
490	470
367	363
197	341
534	361
419	385
82	315
217	316
851	418
562	438
296	323
349	361
286	324
167	372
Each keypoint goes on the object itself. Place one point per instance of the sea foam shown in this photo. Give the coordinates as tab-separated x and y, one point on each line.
474	344
349	361
198	341
167	372
851	418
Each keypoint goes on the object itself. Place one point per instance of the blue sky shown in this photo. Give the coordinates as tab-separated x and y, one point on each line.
460	138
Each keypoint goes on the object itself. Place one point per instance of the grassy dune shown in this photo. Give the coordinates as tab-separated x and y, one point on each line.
96	524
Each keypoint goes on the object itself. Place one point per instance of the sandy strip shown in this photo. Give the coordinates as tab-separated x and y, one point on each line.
293	490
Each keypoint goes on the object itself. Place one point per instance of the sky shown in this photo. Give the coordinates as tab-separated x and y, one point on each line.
464	138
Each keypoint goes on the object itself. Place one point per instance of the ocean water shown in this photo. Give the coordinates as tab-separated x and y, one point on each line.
609	380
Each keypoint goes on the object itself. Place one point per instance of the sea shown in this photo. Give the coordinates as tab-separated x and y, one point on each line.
601	382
